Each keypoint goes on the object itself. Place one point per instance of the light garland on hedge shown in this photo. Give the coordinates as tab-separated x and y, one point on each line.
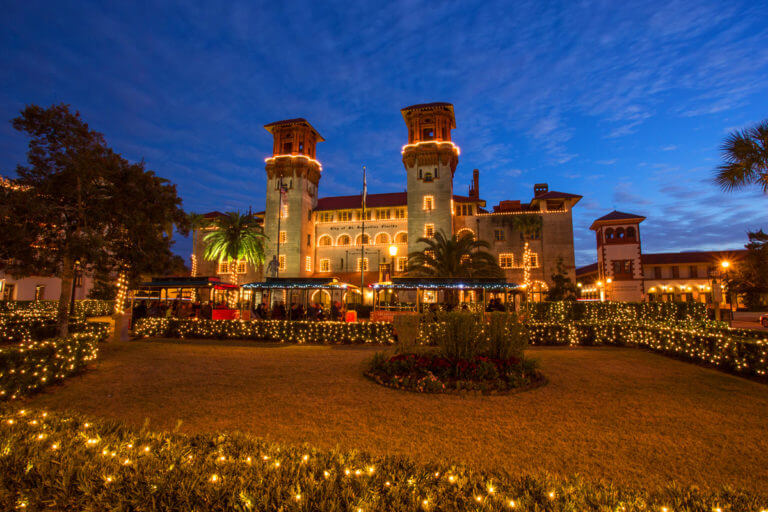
27	367
281	331
137	465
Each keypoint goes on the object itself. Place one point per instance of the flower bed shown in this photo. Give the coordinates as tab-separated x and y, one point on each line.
429	373
281	331
28	367
53	461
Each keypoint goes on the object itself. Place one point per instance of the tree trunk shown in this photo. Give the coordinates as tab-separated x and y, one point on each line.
67	275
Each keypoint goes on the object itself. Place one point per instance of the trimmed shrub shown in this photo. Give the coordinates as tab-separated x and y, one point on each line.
28	367
68	462
617	311
461	336
282	331
83	308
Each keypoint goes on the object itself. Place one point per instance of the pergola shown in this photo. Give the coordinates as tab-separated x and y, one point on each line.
303	285
438	284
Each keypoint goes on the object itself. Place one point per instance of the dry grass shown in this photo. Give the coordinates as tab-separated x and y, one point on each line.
607	413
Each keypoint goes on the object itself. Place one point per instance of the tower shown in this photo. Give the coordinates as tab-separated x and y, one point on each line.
293	172
619	256
430	160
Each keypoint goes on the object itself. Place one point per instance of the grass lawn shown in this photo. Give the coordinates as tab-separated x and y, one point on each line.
626	415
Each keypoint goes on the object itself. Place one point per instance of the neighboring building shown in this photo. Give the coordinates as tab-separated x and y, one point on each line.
40	287
324	236
623	273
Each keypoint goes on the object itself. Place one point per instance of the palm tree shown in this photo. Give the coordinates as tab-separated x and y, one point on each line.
235	237
453	257
745	154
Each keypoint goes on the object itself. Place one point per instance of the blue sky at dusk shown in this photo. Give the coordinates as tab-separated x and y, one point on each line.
624	103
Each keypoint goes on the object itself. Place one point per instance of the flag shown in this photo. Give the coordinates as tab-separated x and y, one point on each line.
365	188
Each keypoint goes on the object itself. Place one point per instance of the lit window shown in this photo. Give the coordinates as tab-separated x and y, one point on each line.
284	211
401	261
325	240
283	237
365	264
325	265
429	230
533	260
308	263
325	217
465	258
363	239
343	240
401	238
360	215
400	213
281	262
428	203
498	235
382	239
506	260
241	267
223	267
345	216
382	214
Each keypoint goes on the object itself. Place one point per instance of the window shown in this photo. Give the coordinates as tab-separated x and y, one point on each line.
308	263
284	211
466	209
401	238
283	237
401	262
506	260
675	272
428	203
281	262
325	265
609	234
400	213
223	267
693	271
657	272
429	230
465	258
533	260
429	254
360	215
241	267
345	216
287	148
428	177
326	217
365	264
498	235
622	269
309	240
382	239
363	239
427	134
466	232
8	290
343	240
325	241
382	214
631	233
40	292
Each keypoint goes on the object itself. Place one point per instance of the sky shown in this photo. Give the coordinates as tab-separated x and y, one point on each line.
625	103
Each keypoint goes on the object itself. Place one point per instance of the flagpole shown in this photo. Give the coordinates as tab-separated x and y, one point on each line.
362	243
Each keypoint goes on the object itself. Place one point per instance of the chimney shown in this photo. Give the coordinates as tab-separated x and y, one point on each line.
474	189
539	189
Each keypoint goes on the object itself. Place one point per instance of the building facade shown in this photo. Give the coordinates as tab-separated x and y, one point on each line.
624	273
311	236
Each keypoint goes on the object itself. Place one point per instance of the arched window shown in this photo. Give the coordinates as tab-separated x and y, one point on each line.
382	239
325	241
363	239
620	234
631	233
401	238
465	231
609	234
343	240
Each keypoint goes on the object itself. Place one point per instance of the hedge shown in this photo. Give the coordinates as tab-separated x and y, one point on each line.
83	308
720	348
57	461
15	329
28	367
617	311
283	331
